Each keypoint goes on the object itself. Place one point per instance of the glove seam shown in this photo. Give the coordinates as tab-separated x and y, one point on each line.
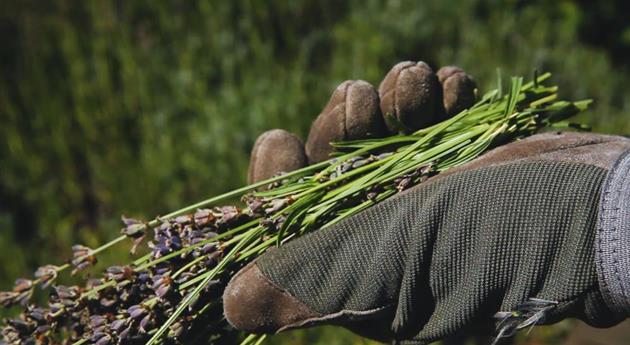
346	91
338	318
613	237
253	163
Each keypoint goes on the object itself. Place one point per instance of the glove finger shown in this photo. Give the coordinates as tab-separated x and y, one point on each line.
253	303
275	151
458	90
351	113
409	96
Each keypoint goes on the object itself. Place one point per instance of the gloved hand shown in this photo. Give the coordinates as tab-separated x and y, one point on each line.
530	233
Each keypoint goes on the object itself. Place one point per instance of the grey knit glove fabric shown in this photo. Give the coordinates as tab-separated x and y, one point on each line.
526	234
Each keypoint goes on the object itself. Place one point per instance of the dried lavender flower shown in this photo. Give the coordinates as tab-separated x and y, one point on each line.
82	257
47	274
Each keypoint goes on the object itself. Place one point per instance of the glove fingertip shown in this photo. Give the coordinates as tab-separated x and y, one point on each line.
409	97
458	90
275	151
252	303
352	113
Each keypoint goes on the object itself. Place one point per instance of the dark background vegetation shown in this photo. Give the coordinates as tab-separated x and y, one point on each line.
141	107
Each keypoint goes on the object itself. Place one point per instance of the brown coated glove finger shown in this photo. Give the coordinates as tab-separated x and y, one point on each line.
458	90
411	92
409	97
275	151
351	113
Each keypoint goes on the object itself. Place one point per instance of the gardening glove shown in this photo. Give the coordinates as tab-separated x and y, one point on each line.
410	97
529	233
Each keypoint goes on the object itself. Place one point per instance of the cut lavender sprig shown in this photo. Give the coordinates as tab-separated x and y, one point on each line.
172	295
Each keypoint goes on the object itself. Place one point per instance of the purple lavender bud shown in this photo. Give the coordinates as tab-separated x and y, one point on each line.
183	220
105	340
163	290
208	249
7	298
228	213
97	321
213	257
107	302
65	296
81	250
93	283
42	329
162	285
96	336
359	164
133	227
276	205
82	257
11	298
117	325
125	334
129	221
136	312
37	314
56	309
25	297
119	273
146	323
143	277
255	205
81	266
47	274
158	271
345	167
203	217
18	324
159	250
353	159
427	169
22	285
404	184
184	277
384	155
164	226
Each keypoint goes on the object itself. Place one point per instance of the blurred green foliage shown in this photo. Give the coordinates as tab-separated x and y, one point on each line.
140	107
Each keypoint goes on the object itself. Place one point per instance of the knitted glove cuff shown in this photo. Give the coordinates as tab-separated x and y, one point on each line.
613	237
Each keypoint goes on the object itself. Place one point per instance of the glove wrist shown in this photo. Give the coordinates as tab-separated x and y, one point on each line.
613	237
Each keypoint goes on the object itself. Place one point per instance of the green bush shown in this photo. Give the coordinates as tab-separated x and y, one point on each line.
139	107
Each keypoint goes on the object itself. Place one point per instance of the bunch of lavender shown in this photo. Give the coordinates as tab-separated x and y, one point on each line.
172	295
